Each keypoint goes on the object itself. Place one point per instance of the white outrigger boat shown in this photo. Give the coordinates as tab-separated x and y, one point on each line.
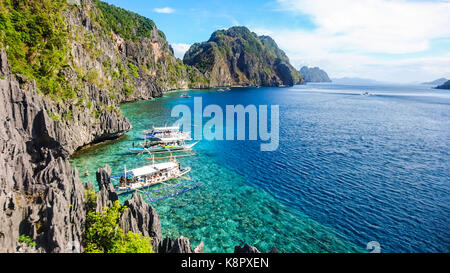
160	148
135	179
165	134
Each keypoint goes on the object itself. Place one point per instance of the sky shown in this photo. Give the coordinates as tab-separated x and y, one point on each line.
387	40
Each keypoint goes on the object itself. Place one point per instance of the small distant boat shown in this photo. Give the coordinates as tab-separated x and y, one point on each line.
366	93
227	89
146	176
220	90
185	96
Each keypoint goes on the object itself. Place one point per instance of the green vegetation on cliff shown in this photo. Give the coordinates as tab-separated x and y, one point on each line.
26	240
170	72
67	49
127	24
35	37
103	233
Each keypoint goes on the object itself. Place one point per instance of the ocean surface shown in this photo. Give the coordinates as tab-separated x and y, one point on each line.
349	169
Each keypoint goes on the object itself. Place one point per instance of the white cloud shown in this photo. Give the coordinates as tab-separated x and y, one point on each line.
349	32
164	10
180	49
388	26
313	49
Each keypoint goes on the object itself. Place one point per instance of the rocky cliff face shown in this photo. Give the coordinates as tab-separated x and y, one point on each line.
125	53
40	194
238	56
314	74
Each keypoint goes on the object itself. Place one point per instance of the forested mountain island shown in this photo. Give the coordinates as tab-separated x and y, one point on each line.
445	85
239	57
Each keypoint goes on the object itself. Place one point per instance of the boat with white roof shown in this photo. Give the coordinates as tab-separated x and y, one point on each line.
146	176
165	134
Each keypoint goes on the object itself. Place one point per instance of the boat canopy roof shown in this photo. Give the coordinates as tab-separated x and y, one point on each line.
151	169
162	129
169	139
146	170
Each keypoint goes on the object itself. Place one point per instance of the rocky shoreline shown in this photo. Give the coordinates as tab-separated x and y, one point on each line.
41	195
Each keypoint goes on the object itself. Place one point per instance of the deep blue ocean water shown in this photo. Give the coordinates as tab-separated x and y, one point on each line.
349	169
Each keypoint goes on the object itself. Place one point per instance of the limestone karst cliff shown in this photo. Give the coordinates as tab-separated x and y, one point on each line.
237	56
314	74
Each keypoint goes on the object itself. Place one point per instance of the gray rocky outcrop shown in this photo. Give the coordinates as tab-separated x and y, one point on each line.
142	218
245	249
41	195
106	195
179	245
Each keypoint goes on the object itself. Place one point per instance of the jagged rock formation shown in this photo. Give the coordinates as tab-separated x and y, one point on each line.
446	85
314	74
238	56
142	218
106	195
40	195
179	245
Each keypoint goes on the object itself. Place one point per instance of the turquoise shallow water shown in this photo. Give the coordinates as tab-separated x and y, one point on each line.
349	169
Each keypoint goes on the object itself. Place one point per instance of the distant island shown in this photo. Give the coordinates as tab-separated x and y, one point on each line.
354	80
436	82
314	74
445	85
